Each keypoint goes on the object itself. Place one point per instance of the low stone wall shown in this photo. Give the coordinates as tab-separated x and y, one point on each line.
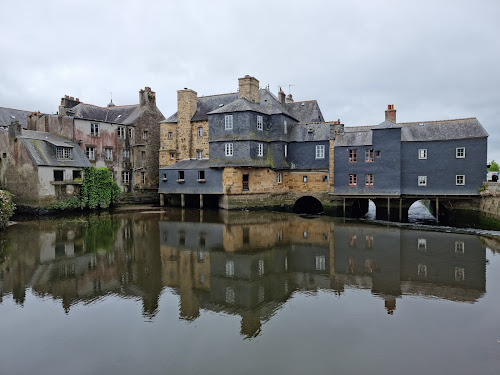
490	206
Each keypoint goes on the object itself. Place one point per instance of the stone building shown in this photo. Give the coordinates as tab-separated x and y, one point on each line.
124	139
244	149
39	168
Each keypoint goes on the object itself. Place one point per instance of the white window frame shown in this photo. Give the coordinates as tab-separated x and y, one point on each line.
90	152
422	180
260	149
145	135
143	177
279	178
460	153
199	154
422	153
108	154
228	122
126	155
320	263
462	177
130	132
121	132
320	151
229	268
228	147
422	244
260	123
64	152
286	150
285	128
200	131
94	129
125	177
459	247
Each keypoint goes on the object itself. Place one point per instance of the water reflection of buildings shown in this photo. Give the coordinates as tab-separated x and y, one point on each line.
241	264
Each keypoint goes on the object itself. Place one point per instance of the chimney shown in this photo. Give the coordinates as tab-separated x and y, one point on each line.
281	96
187	101
66	103
289	98
390	113
15	129
248	88
147	96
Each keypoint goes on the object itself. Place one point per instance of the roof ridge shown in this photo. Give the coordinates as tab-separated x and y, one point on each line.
303	101
209	96
15	109
116	106
453	119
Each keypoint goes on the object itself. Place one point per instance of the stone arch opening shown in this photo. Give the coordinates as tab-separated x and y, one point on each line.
308	205
372	210
359	208
424	211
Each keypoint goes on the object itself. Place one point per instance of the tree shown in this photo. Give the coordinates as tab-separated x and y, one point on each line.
494	167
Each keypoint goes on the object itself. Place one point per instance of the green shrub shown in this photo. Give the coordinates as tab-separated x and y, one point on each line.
7	208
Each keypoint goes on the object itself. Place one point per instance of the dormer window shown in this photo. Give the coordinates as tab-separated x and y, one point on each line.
64	152
260	123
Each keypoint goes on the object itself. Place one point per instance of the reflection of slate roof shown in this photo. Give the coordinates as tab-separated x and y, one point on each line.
355	136
310	132
7	115
269	104
40	147
241	105
307	111
442	130
190	164
387	125
124	115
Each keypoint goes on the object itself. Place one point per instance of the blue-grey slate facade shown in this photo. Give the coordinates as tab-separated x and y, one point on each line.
169	182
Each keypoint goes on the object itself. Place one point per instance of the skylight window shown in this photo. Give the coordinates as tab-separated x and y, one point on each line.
11	116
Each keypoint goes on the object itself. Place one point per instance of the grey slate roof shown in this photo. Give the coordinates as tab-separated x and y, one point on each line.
310	132
124	115
7	115
269	104
442	130
306	111
190	164
241	105
355	136
387	125
39	147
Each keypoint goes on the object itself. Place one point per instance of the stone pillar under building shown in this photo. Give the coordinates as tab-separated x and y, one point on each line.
183	201
162	200
201	201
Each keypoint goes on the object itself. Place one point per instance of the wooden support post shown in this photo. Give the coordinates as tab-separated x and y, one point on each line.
388	209
344	208
437	210
201	201
400	210
162	200
183	202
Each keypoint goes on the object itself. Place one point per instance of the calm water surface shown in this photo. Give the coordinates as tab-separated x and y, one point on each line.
192	292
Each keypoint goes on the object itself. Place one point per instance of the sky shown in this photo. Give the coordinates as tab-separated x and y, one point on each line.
434	60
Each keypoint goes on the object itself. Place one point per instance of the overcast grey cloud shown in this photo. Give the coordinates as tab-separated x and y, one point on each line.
432	59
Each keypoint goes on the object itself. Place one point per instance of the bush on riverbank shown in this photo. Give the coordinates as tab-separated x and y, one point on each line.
7	207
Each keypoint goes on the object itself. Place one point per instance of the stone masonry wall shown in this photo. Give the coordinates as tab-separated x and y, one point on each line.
199	143
186	107
168	145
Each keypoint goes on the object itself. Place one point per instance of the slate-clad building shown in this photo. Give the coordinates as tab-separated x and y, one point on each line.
435	158
258	143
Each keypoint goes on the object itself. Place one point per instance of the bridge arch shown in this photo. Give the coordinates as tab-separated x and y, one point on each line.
308	205
421	210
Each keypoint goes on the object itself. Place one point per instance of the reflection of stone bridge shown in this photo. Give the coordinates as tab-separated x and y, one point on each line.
446	209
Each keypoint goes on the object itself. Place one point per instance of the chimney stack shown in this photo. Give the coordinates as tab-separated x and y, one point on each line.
390	113
248	88
147	96
66	103
281	96
15	129
289	98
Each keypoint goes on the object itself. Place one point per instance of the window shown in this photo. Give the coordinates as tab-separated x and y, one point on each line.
422	180
422	244
422	153
286	151
378	153
369	179
261	267
320	262
459	274
200	131
460	153
180	176
130	132
325	178
228	122
260	149
94	130
77	175
260	123
126	154
126	177
121	132
285	129
422	270
460	179
230	295
279	178
304	179
90	152
143	157
320	151
58	175
143	177
229	149
353	240
369	242
199	154
245	183
353	156
164	178
145	135
261	294
201	175
368	156
229	268
108	154
63	152
202	242
170	134
459	247
353	180
172	156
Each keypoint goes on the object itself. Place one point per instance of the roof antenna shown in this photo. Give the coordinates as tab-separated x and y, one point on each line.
289	86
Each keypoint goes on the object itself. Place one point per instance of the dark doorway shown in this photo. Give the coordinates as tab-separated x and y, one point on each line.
308	205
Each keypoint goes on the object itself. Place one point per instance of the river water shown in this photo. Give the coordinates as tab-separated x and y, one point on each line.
207	292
